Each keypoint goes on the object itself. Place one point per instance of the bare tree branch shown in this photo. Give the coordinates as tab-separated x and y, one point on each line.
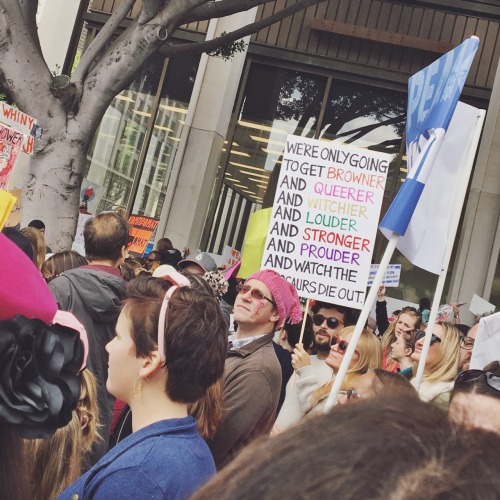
210	45
23	71
118	65
29	8
220	8
101	40
176	8
149	10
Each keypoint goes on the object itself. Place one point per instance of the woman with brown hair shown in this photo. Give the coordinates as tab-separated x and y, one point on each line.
170	347
368	355
401	350
42	352
380	449
59	262
407	320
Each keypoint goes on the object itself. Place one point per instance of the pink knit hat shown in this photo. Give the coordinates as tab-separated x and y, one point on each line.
24	291
284	294
22	288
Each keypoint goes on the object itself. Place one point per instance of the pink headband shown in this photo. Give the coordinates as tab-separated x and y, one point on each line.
69	320
179	281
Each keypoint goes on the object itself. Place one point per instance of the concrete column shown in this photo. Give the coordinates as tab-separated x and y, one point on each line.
477	248
56	19
197	164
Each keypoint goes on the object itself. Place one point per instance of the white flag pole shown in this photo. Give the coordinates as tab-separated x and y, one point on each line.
465	170
363	317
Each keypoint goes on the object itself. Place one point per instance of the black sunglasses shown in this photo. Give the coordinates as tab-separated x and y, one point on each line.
492	379
332	323
254	293
421	334
342	345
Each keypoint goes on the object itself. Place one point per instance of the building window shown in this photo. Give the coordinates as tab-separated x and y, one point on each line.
133	149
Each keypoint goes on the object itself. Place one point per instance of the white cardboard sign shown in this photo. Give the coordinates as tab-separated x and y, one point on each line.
391	275
325	217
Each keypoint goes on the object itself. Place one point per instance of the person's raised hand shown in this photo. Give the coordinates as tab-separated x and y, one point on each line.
300	358
381	293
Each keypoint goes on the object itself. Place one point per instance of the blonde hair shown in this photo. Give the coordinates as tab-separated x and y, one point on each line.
370	356
56	461
445	367
37	240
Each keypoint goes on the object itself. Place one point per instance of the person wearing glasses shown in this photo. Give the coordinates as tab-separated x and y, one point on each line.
169	349
252	374
375	383
466	346
368	355
475	400
311	370
441	366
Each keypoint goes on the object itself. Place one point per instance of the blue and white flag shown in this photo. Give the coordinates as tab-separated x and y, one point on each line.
427	234
432	97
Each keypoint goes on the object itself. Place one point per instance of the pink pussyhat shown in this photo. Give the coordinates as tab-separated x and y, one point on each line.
284	295
22	288
24	292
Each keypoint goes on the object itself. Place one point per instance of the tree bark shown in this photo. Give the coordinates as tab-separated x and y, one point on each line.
71	116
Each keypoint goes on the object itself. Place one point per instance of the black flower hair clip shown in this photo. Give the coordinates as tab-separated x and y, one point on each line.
39	375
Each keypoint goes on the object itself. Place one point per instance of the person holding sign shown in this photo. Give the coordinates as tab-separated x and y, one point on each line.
252	374
441	366
312	371
368	355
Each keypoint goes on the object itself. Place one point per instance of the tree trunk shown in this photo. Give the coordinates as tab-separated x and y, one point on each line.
52	190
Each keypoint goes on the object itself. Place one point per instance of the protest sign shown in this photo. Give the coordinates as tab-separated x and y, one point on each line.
487	345
14	217
479	306
10	145
255	238
90	196
16	119
391	275
324	219
141	230
79	242
230	256
7	201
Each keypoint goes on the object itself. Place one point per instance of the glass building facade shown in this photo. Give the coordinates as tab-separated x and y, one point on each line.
133	150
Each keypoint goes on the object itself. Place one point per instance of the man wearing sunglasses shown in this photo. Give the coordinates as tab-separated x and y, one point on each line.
252	374
312	371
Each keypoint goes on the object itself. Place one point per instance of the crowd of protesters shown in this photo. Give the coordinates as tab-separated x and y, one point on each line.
165	377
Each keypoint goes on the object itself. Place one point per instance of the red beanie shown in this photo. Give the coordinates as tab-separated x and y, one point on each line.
284	294
22	288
